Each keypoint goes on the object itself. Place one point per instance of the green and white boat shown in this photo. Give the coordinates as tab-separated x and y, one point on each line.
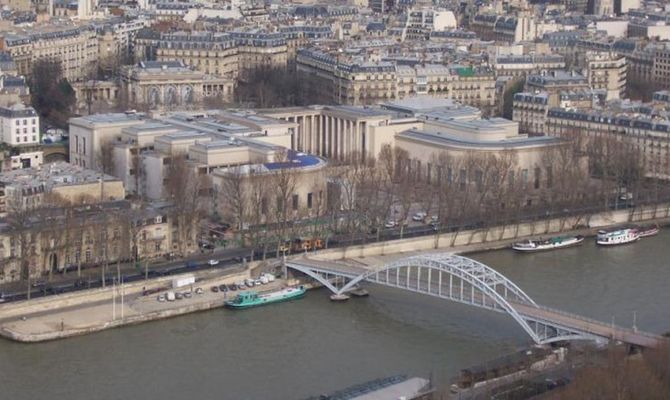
250	299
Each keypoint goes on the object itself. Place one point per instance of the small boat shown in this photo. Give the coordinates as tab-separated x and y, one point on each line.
616	237
250	299
646	231
553	243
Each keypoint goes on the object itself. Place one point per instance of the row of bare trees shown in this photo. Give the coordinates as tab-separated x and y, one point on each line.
569	180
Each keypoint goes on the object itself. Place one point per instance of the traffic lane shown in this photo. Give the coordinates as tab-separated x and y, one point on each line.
68	286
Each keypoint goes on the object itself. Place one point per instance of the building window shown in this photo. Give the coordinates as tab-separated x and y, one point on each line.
309	201
536	180
295	202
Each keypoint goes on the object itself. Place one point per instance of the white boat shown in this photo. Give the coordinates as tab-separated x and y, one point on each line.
558	242
647	231
619	236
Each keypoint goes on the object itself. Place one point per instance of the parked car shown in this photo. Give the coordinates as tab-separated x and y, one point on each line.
232	286
170	296
199	291
161	298
223	288
187	295
178	296
215	289
390	224
419	216
213	262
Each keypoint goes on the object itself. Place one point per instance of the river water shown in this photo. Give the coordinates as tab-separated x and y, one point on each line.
312	346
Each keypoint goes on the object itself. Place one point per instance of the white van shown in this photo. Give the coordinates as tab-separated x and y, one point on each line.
169	296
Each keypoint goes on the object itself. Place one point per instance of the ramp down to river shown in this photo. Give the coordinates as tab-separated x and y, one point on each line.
464	280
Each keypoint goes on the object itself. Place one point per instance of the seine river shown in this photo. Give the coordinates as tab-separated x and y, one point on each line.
313	346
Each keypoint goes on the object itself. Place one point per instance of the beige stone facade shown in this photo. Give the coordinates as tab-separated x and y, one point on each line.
171	84
649	136
75	47
76	237
352	82
607	71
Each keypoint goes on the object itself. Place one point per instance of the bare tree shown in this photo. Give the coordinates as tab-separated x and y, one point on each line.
184	186
23	230
283	182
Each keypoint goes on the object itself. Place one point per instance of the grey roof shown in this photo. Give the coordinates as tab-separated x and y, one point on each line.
450	140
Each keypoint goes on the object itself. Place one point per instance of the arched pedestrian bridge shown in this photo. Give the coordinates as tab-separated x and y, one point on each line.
470	282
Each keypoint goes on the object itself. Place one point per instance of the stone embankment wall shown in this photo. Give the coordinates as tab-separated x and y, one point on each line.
502	236
132	320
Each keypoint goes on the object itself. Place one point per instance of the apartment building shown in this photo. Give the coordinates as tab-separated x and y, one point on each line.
606	71
521	65
259	49
76	47
504	29
661	66
20	133
639	127
208	52
87	235
530	109
359	81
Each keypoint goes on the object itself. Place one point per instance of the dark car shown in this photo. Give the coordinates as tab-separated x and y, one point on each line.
232	286
215	289
223	288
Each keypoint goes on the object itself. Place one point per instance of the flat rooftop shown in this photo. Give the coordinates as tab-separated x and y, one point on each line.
52	175
109	119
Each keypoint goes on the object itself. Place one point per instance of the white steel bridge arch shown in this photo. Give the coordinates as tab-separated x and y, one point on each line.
450	277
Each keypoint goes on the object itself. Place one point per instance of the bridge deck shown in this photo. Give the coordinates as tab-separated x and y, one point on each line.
588	325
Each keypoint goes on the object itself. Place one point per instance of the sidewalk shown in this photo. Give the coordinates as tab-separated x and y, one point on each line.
92	317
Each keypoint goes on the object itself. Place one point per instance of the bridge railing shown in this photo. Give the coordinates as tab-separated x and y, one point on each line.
601	323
